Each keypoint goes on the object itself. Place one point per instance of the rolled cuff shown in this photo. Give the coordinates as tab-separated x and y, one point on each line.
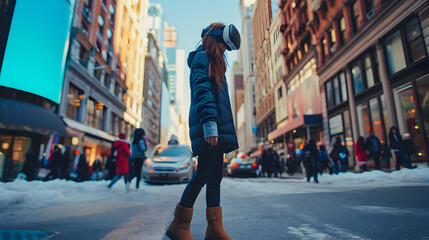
210	129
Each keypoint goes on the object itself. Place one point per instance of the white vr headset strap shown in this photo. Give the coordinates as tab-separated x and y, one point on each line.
227	39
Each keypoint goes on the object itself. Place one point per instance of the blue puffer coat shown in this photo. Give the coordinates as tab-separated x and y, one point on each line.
210	112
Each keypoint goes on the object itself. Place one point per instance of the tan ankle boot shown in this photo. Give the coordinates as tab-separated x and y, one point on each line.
214	229
180	227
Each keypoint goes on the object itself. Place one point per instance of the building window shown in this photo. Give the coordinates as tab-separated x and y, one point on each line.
395	56
342	27
73	101
97	71
343	84
357	78
107	80
90	112
364	122
336	90
323	46
356	18
83	56
370	6
329	94
332	40
415	41
113	123
117	89
280	92
149	103
369	75
150	93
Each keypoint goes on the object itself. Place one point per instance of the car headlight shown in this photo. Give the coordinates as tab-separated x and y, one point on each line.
184	167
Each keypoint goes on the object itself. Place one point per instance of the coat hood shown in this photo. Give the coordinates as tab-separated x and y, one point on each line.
192	54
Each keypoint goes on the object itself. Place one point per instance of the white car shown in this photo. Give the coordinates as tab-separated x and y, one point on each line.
169	164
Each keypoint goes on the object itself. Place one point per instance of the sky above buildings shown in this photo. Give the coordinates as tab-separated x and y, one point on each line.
191	16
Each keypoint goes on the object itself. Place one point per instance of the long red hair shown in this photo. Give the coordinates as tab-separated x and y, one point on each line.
217	65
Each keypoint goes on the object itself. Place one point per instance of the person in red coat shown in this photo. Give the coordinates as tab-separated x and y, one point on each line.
122	154
361	153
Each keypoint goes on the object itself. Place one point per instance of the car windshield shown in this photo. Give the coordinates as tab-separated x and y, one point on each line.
164	151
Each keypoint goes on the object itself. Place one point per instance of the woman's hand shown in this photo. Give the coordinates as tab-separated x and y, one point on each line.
212	141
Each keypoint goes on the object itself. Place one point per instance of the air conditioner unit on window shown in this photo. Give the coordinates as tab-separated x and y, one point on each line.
370	13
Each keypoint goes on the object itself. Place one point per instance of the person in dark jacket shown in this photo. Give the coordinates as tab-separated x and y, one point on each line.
83	168
339	155
30	165
397	146
409	150
373	145
212	133
267	163
276	166
138	155
386	154
65	164
56	160
122	165
324	160
310	154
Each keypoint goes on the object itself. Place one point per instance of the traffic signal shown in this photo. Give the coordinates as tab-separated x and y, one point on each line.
76	102
99	105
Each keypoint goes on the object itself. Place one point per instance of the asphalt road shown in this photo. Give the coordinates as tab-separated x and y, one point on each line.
253	209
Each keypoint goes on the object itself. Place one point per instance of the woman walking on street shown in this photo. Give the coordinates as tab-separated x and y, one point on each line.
310	154
138	156
361	154
122	168
397	146
211	128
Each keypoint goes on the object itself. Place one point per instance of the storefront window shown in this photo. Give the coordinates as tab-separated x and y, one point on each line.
408	120
377	125
363	120
405	108
12	155
336	125
348	135
357	78
415	41
423	91
395	53
386	115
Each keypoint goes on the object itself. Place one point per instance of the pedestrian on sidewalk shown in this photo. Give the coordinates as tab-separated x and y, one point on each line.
310	154
386	154
373	145
361	153
324	160
397	146
122	152
409	150
277	168
211	128
138	156
66	163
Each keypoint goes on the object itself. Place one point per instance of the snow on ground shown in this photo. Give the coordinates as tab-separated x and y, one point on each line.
335	183
21	194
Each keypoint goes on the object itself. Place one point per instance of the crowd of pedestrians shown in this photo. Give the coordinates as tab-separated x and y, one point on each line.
317	160
123	161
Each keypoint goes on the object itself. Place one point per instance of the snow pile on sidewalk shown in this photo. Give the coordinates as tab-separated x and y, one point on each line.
38	194
331	183
417	175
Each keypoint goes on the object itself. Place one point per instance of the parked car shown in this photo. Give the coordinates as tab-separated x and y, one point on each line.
243	166
169	164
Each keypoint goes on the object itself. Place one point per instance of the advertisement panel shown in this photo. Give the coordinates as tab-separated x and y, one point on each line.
37	46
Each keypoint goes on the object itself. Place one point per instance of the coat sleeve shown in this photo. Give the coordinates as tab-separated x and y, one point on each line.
203	97
142	146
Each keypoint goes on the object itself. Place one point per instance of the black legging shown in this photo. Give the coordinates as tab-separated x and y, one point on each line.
209	172
138	164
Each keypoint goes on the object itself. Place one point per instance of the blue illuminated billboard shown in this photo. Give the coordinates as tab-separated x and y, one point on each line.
37	46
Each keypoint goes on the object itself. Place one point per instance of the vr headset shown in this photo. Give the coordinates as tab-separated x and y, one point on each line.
228	35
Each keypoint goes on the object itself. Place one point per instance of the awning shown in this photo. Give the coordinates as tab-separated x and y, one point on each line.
89	130
22	116
305	120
